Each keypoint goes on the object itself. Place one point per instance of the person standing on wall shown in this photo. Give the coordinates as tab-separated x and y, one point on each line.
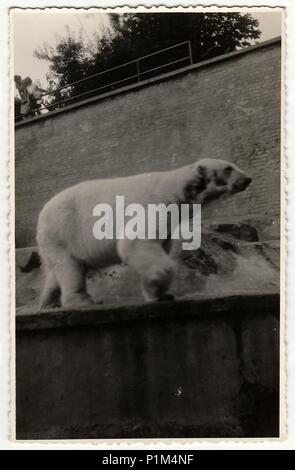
30	95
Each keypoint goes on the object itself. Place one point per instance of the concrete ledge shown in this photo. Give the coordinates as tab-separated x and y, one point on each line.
203	368
150	81
59	318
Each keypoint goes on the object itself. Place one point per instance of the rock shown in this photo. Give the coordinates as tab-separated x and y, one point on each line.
241	231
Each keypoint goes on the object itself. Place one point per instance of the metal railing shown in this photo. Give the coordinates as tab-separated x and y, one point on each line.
138	73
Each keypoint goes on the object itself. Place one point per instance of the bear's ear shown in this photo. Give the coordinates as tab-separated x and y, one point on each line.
201	177
201	171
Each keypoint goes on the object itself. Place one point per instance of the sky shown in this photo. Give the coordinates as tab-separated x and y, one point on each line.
32	29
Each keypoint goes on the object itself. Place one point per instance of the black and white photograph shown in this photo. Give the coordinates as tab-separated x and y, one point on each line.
148	226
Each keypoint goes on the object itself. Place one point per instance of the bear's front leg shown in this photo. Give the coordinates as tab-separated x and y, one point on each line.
155	268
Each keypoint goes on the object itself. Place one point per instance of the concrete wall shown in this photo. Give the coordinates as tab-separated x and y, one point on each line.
206	368
227	108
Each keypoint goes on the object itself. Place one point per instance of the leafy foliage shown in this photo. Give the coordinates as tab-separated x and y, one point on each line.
134	35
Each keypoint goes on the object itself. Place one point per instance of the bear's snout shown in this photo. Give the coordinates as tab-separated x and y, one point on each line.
241	184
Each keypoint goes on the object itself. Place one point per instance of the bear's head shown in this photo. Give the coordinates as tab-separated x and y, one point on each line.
212	178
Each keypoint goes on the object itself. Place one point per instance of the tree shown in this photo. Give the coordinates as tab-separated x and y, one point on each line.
134	35
210	34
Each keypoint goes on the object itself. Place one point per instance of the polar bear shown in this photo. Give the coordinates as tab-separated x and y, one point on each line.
68	247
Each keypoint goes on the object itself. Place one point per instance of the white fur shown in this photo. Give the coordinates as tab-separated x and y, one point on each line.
65	228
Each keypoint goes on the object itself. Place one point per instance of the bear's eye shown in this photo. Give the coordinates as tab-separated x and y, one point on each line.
228	170
219	180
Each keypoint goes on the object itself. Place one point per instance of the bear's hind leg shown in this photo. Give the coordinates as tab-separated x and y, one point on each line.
71	277
50	297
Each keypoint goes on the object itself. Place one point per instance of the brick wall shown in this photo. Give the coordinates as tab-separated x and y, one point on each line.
225	109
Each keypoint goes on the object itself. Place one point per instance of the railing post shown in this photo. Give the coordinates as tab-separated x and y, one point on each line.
190	52
137	70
